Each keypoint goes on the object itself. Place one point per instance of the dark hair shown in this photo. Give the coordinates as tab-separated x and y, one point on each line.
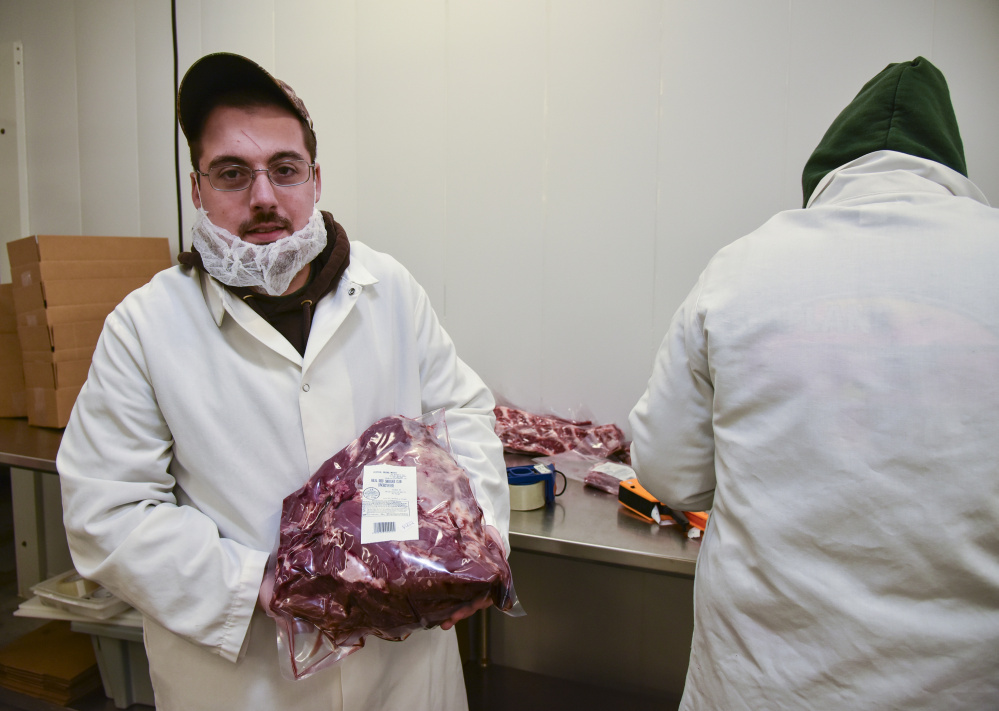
247	98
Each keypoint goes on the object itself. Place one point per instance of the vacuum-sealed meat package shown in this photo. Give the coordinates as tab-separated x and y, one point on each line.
529	433
386	538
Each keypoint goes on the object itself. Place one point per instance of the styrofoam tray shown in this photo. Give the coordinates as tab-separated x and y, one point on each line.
95	602
34	607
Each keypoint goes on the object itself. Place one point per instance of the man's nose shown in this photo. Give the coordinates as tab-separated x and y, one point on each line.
262	192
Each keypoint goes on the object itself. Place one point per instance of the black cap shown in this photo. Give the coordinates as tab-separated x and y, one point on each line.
220	73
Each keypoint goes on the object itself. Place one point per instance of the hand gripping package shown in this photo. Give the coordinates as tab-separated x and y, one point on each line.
386	538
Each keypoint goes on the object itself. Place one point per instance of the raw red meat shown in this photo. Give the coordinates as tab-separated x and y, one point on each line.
527	433
348	590
600	480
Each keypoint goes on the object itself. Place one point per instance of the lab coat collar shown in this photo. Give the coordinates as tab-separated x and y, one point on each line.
895	173
356	273
216	295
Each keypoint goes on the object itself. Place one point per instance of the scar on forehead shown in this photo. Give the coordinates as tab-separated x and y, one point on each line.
250	139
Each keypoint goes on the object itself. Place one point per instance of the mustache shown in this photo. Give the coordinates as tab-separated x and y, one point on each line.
264	218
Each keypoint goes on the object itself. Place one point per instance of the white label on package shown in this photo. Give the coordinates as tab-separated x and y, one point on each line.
388	504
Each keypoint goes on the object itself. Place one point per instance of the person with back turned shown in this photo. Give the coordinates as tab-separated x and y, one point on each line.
217	389
829	390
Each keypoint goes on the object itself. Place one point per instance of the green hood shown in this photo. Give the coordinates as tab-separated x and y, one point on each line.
905	108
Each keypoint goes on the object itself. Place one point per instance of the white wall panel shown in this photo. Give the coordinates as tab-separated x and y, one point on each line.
401	135
835	50
189	45
721	138
11	20
13	152
51	117
495	202
155	123
245	27
189	30
242	26
966	48
107	99
603	96
318	59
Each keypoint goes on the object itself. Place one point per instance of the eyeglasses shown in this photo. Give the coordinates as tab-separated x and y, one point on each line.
283	174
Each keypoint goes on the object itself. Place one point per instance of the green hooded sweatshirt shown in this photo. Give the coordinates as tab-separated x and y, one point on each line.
905	108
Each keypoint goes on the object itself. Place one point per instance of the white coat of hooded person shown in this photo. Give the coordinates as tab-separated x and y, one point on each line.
830	389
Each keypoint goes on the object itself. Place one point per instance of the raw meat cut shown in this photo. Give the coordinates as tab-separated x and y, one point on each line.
528	433
326	576
607	476
603	481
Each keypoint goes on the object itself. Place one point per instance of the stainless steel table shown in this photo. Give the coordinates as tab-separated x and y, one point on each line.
589	525
28	447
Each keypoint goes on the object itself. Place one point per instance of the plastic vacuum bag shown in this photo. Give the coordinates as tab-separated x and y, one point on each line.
529	433
360	554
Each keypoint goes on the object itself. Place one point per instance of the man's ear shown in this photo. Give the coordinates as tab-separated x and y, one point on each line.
319	183
195	193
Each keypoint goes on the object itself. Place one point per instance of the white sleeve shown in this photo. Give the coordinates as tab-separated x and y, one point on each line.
449	383
672	446
123	522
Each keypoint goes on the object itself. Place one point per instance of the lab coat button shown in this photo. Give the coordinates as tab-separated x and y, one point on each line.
305	387
351	292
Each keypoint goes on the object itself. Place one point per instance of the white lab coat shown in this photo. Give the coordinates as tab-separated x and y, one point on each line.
198	418
831	388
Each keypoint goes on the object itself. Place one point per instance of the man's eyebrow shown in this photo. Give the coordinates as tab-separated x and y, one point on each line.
237	160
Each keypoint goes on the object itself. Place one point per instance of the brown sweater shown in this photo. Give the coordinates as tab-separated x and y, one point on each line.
291	314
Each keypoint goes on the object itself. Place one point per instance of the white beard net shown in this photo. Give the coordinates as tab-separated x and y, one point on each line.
268	266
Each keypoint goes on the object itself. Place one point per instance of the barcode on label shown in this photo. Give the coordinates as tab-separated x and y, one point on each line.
384	527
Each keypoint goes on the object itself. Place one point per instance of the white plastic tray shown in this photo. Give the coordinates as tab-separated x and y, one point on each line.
98	603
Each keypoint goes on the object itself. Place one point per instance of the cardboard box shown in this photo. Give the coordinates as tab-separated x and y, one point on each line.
85	248
50	408
64	286
61	356
64	314
10	350
69	292
12	402
8	317
56	375
60	336
37	272
12	397
51	663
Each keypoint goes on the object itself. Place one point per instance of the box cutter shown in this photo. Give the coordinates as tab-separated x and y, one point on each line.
635	498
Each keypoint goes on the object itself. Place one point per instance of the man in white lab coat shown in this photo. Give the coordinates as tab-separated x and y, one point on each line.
217	389
830	389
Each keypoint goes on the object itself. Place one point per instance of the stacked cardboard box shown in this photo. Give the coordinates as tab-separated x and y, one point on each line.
64	287
51	663
11	372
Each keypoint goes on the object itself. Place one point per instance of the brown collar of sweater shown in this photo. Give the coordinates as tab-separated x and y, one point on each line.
291	314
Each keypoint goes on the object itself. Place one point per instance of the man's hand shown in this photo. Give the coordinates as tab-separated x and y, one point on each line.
472	608
266	591
466	611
